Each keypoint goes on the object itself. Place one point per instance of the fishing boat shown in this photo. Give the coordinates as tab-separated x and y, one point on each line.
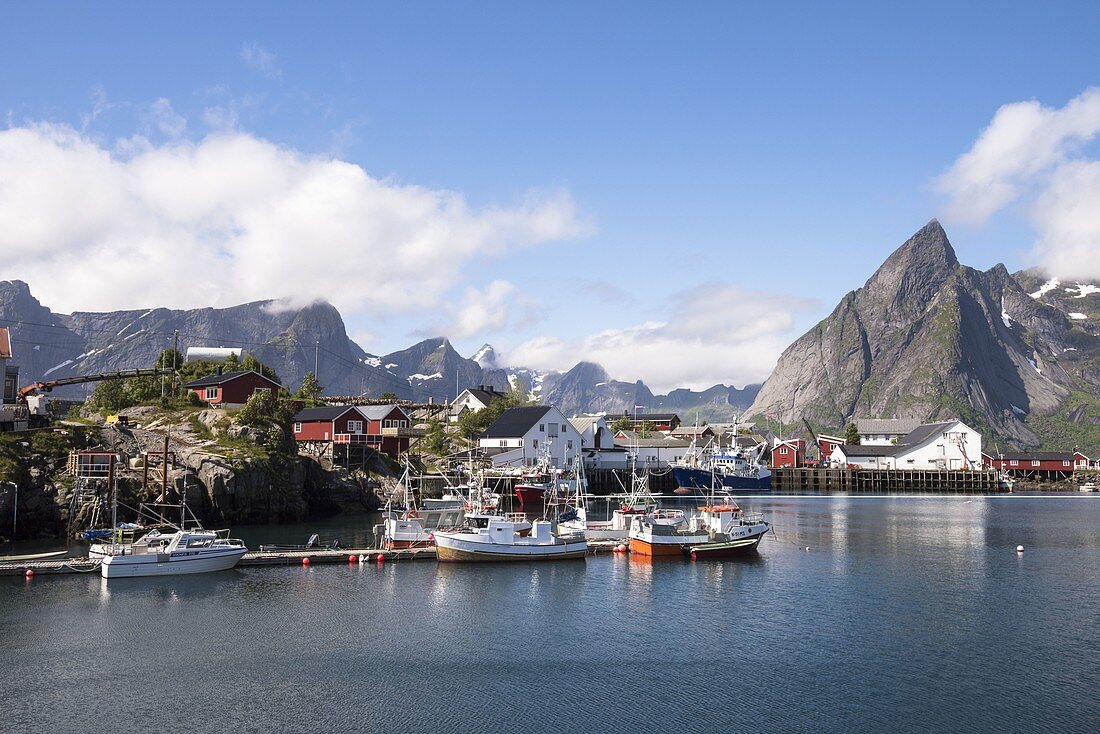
638	501
185	552
501	540
733	469
732	532
405	526
510	539
1087	487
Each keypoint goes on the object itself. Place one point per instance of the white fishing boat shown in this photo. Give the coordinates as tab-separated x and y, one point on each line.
513	539
715	531
1087	487
501	540
638	501
186	551
405	526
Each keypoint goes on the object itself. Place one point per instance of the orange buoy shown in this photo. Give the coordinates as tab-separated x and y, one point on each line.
30	572
305	561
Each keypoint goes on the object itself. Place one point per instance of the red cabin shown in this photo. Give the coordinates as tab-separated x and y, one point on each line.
826	444
789	453
1048	464
385	428
232	388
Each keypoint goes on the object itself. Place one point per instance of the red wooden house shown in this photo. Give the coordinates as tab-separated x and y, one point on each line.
385	428
663	422
1041	464
826	444
231	388
789	453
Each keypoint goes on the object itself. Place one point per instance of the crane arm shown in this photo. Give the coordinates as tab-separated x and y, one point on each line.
48	385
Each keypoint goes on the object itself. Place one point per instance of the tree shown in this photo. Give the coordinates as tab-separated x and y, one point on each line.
473	424
646	429
851	435
260	410
388	396
621	424
110	395
311	389
251	363
435	438
169	359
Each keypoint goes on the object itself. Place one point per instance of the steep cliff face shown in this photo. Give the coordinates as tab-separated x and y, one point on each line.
927	337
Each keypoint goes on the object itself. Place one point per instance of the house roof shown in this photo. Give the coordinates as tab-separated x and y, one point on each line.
225	377
485	396
516	422
685	430
1033	455
323	413
584	422
749	440
922	433
652	417
855	449
652	443
5	343
377	412
899	426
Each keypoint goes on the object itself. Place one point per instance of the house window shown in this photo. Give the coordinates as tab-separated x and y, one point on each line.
395	423
355	426
211	393
1065	463
297	427
569	445
1036	462
783	450
503	442
553	430
260	389
542	428
535	443
1013	463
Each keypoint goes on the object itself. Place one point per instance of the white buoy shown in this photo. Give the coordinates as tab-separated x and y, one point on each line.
1019	549
807	547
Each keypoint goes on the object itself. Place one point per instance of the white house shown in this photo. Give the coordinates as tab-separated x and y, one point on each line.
594	431
520	435
946	445
884	431
473	399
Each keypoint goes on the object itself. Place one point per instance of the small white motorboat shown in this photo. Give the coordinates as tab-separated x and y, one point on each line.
186	551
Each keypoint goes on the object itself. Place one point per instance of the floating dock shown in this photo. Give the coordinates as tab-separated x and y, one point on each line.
872	481
257	558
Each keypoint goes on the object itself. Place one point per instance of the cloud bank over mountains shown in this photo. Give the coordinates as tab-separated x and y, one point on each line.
1038	159
231	217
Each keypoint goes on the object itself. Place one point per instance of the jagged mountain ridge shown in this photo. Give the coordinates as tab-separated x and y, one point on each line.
52	345
927	337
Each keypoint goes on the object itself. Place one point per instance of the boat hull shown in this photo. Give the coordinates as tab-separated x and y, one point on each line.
730	549
530	496
453	548
700	480
160	564
645	548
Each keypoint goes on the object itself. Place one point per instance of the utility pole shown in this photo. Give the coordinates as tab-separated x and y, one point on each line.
316	357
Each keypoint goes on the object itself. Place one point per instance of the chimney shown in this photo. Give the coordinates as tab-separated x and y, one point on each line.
219	370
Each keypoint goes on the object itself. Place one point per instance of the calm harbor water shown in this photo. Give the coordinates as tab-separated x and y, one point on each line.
905	614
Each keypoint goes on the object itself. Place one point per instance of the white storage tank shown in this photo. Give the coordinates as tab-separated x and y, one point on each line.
212	354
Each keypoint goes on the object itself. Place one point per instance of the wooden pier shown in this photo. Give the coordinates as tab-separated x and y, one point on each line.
257	558
880	481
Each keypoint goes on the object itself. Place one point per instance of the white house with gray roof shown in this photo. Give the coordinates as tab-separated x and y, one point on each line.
520	435
950	445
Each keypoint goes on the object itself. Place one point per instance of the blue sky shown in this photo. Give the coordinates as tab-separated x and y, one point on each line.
755	160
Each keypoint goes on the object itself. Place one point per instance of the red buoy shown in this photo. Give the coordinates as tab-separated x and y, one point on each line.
353	558
693	555
30	572
305	561
381	558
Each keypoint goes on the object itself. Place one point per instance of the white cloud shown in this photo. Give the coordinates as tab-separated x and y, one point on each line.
1037	156
232	218
166	119
497	307
716	334
260	60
